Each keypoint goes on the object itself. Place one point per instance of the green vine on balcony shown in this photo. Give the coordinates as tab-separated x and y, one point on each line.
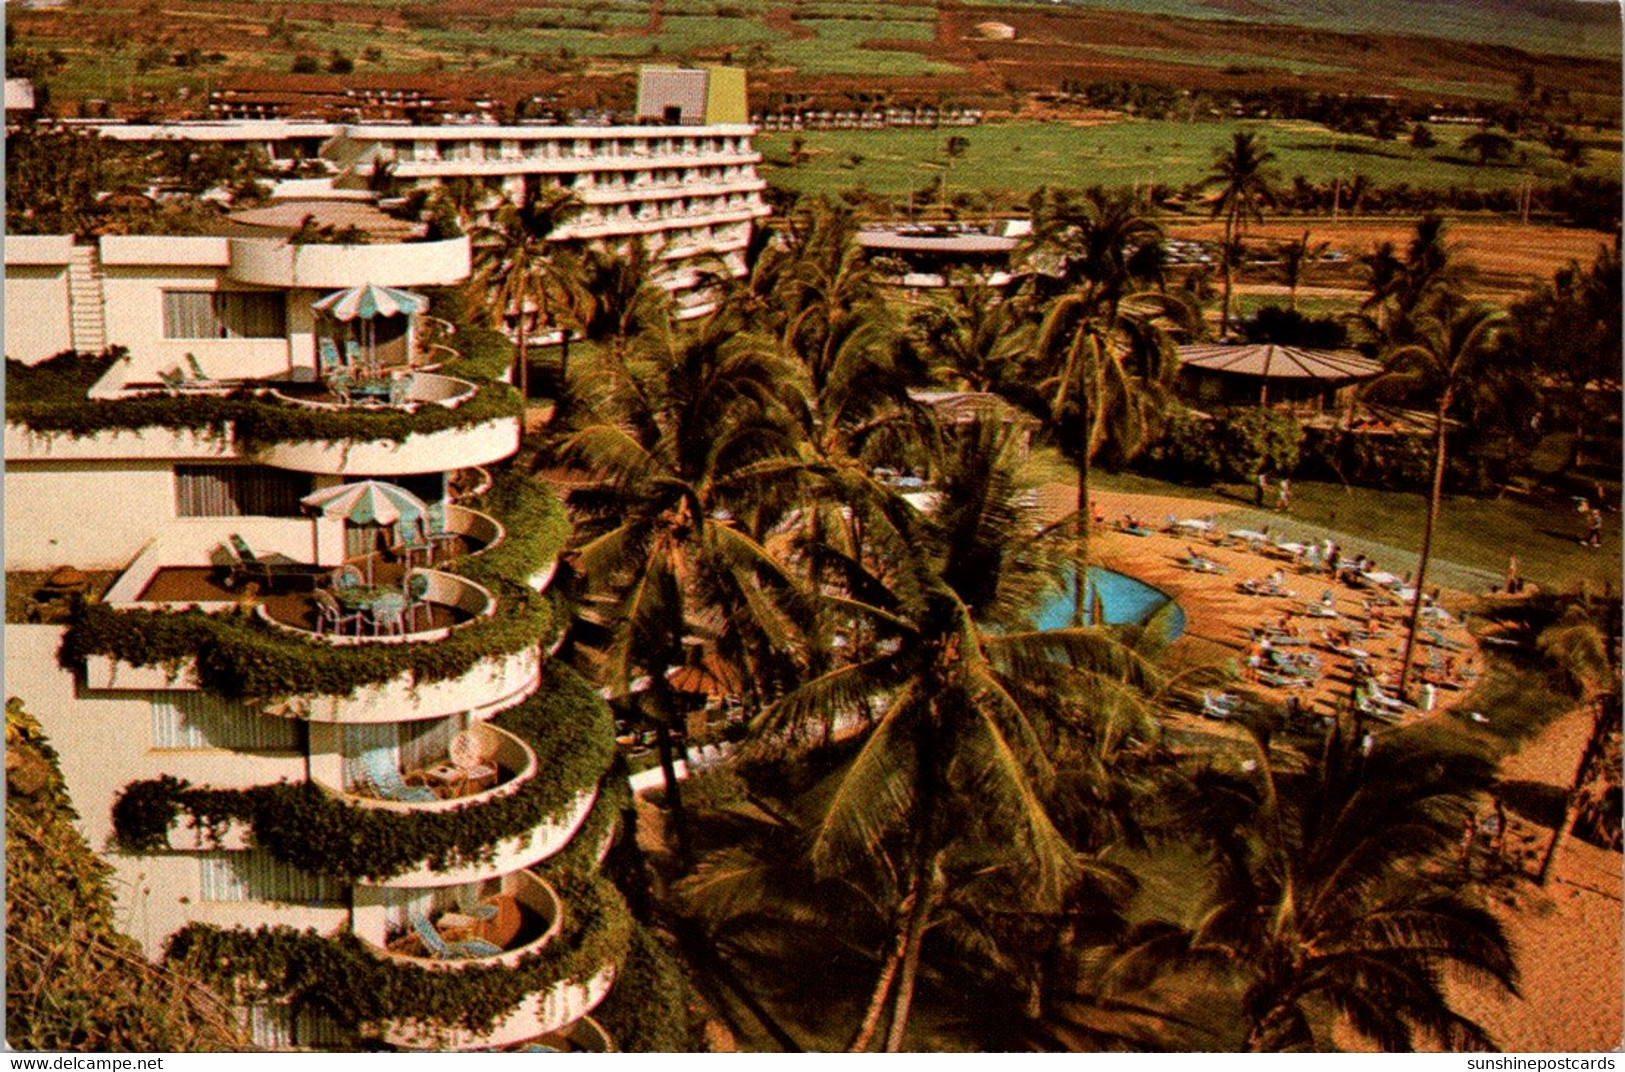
241	657
344	978
566	723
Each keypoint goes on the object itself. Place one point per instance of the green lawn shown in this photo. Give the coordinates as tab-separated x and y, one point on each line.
1471	548
1021	156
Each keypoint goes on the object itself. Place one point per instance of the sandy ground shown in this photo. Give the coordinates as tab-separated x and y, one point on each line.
1567	936
1507	259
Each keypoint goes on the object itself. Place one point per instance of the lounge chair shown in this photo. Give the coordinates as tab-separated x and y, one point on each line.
1284	681
400	390
1220	707
387	781
440	949
196	369
1439	640
1200	563
246	566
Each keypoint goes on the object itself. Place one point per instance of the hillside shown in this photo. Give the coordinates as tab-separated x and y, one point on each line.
72	983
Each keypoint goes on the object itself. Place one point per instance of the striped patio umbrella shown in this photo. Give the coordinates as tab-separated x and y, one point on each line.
368	301
368	502
362	306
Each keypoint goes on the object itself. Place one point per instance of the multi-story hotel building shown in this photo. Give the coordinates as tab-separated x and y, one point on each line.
682	177
286	619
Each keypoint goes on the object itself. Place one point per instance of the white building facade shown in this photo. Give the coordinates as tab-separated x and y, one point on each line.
273	715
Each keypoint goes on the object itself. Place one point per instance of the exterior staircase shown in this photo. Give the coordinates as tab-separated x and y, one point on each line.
86	304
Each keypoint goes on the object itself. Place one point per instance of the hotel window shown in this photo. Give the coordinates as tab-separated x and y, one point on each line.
202	720
224	314
279	1027
239	491
256	875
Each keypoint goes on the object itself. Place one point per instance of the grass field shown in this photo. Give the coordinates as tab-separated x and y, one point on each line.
1474	539
1020	156
1569	28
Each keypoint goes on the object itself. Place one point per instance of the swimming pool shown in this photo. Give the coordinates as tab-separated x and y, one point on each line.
1123	601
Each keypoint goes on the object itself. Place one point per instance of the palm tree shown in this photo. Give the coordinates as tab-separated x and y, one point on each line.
667	441
1101	238
974	340
1101	374
1245	189
519	268
1579	651
1296	257
1456	342
1401	287
969	708
1332	885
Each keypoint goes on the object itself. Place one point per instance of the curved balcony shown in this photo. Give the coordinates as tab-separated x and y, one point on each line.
450	603
509	854
420	452
528	916
424	388
400	264
586	1035
491	685
507	761
542	1013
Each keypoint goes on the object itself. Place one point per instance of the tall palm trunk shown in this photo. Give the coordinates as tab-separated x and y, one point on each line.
1571	801
925	900
1427	540
665	715
883	985
1226	255
1085	467
522	367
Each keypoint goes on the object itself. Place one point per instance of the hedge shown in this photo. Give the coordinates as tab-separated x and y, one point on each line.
346	979
241	657
653	1007
566	723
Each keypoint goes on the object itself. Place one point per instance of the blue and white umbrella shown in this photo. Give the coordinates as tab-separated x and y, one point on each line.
368	502
368	301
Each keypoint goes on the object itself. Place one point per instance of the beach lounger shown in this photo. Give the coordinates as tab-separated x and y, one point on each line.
1284	681
1439	640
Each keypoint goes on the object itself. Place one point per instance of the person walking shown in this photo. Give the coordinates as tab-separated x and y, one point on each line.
1284	503
1514	585
1258	488
1594	529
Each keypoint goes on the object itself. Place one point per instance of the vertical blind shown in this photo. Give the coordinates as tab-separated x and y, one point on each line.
239	491
410	746
203	720
223	314
256	875
278	1027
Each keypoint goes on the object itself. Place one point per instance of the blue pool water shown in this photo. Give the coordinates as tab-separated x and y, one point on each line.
1123	601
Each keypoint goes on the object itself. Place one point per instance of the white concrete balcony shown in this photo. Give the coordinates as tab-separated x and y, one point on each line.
613	194
420	452
527	919
704	216
570	165
508	855
510	762
449	603
399	264
540	1013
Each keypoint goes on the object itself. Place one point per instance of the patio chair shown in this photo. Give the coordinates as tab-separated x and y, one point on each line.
246	566
416	586
471	752
387	782
388	614
338	382
440	949
400	390
332	616
347	580
468	906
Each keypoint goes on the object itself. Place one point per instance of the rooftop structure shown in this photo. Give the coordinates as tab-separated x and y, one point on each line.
1266	373
286	625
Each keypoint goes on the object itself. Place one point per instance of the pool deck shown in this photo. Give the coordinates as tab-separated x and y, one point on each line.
1219	616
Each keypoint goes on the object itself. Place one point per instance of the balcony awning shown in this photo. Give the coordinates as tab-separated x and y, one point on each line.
368	301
